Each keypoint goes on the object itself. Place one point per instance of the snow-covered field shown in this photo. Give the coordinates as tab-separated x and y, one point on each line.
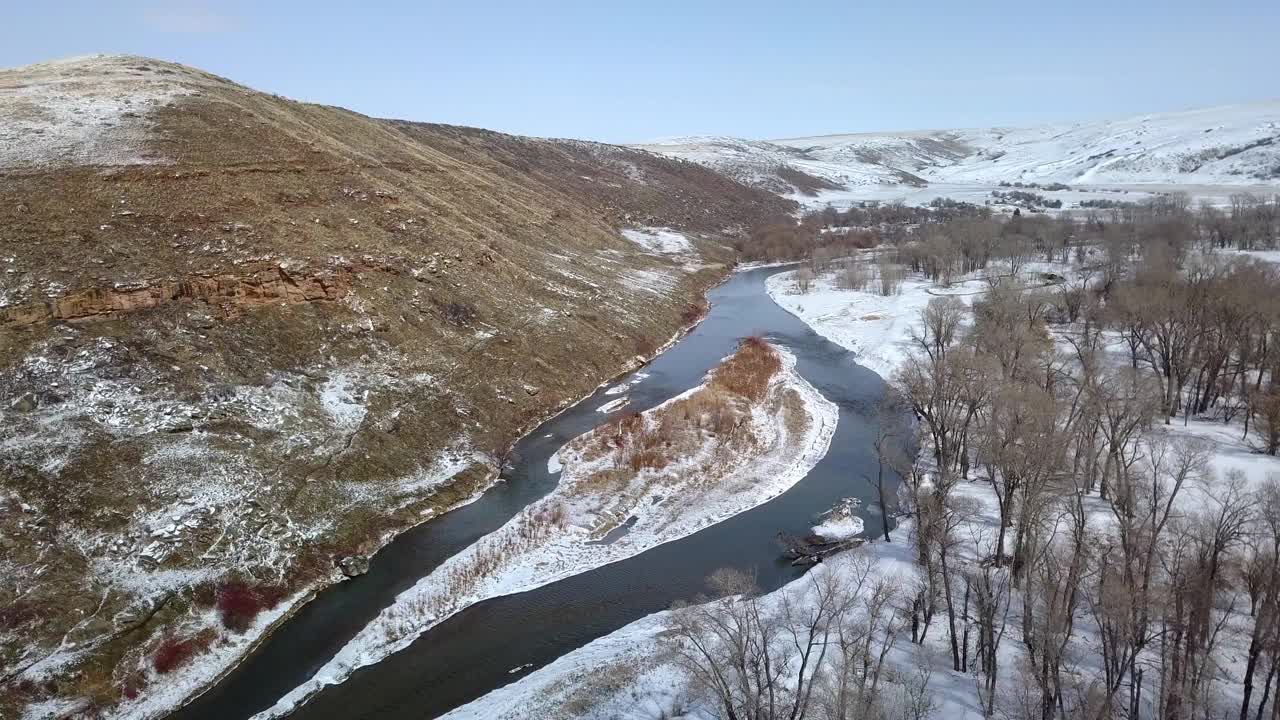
876	329
568	531
980	194
1208	153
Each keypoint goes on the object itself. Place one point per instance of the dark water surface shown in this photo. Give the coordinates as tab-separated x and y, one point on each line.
471	653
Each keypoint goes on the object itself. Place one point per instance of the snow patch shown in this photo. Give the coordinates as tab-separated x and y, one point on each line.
84	111
662	241
343	404
613	405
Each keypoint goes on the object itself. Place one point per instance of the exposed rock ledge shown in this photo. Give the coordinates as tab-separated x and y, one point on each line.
229	293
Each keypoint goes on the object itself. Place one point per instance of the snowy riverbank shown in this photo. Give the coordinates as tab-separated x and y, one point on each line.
628	674
577	527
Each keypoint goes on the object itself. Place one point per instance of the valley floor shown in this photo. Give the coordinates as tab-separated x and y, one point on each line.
630	674
980	194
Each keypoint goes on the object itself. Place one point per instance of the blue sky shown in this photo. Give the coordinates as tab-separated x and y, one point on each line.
630	71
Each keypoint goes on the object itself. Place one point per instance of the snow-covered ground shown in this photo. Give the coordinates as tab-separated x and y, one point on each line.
82	111
663	241
567	532
161	698
980	194
628	674
878	331
875	328
1208	152
588	678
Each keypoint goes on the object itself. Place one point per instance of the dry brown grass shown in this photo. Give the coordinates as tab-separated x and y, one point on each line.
748	371
677	431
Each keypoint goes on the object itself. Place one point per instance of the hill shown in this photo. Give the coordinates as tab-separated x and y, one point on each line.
244	340
1224	146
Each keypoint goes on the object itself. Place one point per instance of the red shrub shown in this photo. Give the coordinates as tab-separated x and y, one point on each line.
173	652
239	603
271	595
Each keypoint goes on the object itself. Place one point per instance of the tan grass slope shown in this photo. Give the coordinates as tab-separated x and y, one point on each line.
242	337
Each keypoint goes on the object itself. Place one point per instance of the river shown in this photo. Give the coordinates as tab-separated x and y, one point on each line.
474	651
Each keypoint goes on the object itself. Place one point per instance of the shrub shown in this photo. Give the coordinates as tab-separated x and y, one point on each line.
748	371
890	276
804	280
174	652
131	687
691	313
205	593
15	615
646	347
238	603
458	313
854	276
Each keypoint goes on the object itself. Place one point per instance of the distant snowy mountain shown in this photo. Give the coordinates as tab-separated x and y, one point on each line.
1230	145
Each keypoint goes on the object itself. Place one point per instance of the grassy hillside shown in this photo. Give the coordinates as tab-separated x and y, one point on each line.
243	338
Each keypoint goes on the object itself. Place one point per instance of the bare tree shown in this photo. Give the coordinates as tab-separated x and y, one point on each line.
850	688
1262	579
758	659
1051	595
887	444
889	275
1022	449
804	280
855	275
991	611
1200	606
1265	407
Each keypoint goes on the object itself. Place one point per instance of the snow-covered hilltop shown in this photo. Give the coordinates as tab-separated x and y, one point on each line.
1221	146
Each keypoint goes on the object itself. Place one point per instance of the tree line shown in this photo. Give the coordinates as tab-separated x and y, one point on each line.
1078	554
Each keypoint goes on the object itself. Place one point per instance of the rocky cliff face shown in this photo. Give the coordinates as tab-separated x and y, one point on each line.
244	340
228	295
